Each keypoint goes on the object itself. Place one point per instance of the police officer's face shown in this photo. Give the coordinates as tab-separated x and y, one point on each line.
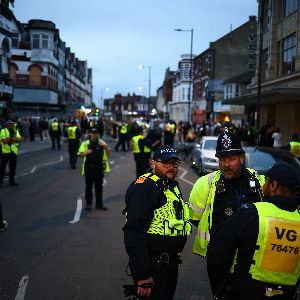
230	166
167	169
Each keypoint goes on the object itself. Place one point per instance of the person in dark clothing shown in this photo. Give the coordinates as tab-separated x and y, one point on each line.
95	163
32	129
122	133
155	135
73	141
157	227
265	238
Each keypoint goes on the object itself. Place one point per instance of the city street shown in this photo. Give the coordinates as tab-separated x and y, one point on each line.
54	249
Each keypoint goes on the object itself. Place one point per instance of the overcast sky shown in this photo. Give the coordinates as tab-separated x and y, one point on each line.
116	36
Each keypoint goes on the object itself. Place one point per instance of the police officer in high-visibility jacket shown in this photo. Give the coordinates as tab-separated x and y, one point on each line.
141	152
55	134
256	253
157	227
73	141
9	139
294	146
217	196
95	163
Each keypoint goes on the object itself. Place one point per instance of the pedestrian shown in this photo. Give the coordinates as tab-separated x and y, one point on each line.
55	133
141	152
10	139
217	196
155	136
276	136
95	163
44	129
157	227
3	224
265	238
73	143
122	134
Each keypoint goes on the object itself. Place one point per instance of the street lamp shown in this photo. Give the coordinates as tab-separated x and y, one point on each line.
149	89
101	100
191	71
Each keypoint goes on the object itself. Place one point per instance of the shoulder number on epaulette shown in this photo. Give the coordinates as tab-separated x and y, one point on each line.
140	180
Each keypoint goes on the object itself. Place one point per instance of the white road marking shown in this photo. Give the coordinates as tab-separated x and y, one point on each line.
104	182
182	177
78	211
33	170
22	287
112	162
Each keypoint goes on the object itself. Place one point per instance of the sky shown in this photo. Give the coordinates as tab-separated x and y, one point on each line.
116	36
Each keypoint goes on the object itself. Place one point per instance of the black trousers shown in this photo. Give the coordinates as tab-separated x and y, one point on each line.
121	142
55	138
10	158
73	149
141	163
93	177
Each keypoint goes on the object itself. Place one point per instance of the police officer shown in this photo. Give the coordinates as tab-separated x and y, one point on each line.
157	226
141	152
55	133
122	133
95	163
294	146
73	141
9	138
217	196
266	238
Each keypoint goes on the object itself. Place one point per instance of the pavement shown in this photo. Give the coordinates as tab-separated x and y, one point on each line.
36	145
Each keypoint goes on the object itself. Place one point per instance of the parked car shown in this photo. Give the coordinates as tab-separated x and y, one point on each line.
203	157
257	158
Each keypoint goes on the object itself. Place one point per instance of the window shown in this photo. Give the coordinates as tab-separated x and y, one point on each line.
35	77
40	41
237	90
288	54
4	64
45	41
13	73
35	41
267	15
15	40
183	93
289	6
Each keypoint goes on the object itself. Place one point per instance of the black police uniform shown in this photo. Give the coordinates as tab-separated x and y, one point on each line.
144	249
241	232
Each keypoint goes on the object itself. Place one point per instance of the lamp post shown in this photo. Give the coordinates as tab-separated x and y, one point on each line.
191	71
101	100
149	88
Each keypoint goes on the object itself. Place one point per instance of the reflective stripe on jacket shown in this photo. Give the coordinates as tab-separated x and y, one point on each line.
6	148
84	147
171	219
277	260
135	145
201	207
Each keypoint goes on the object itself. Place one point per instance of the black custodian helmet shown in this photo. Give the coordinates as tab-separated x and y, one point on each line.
228	144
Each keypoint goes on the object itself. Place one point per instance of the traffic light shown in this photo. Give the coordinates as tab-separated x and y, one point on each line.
97	111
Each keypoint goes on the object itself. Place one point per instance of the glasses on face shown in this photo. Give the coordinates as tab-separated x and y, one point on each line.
168	164
93	131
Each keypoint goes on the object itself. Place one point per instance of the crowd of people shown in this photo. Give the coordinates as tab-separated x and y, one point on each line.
247	225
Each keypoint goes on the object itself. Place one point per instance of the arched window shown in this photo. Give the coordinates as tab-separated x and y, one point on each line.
4	57
13	72
35	77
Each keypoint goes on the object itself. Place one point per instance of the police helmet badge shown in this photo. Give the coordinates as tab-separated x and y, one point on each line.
226	141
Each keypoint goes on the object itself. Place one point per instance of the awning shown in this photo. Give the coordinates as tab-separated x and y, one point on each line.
274	96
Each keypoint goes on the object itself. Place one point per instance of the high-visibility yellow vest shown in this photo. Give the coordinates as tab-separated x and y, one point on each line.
54	126
6	148
164	221
72	132
135	145
295	148
84	147
123	129
278	258
172	126
202	204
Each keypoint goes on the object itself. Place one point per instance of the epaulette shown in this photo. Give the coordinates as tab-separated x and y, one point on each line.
140	180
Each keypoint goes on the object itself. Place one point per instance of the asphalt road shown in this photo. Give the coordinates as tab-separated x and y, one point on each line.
54	250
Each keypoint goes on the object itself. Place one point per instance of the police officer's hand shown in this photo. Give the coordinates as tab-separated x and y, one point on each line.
144	292
89	151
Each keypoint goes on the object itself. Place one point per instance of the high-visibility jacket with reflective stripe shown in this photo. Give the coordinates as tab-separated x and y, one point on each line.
135	145
164	221
201	207
277	258
84	147
295	148
6	148
72	132
124	129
